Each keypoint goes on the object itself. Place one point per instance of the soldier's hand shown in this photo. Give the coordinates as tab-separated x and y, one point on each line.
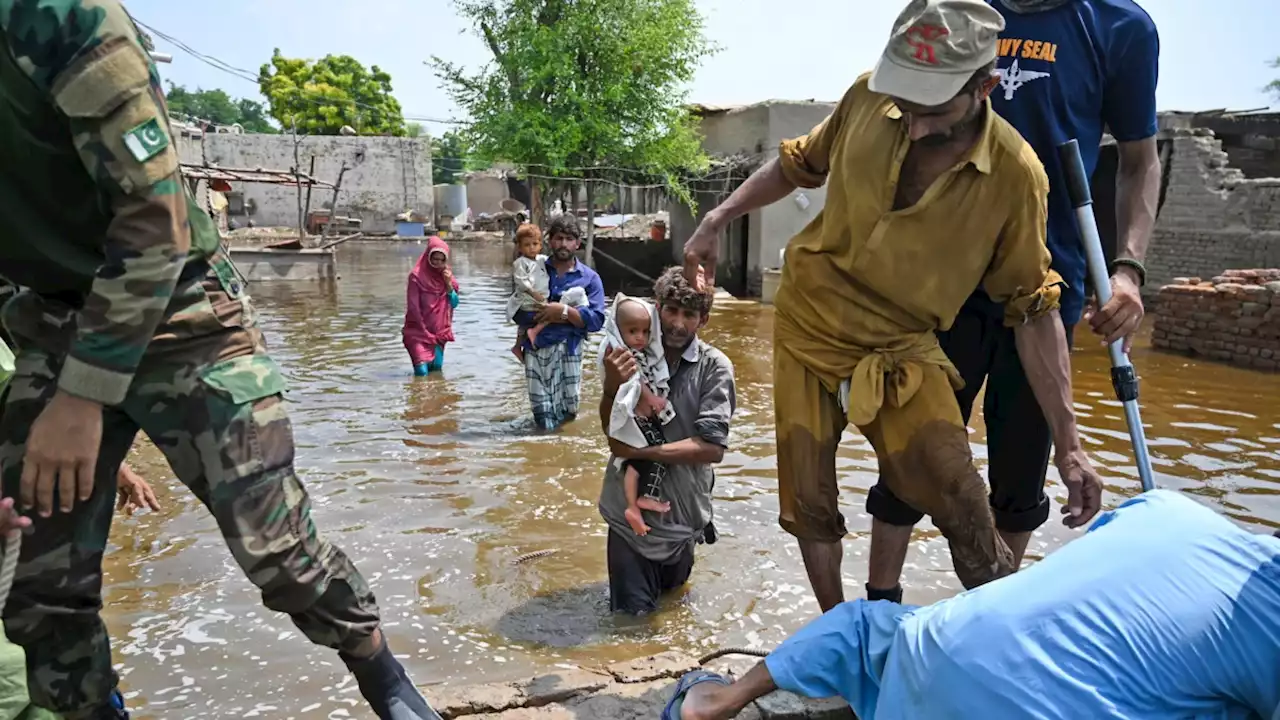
62	452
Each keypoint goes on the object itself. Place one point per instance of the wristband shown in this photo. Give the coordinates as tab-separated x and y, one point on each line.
1133	263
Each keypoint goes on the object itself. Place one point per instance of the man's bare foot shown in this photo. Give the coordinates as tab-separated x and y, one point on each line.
653	504
636	521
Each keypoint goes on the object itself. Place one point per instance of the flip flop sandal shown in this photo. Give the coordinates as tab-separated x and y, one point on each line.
683	686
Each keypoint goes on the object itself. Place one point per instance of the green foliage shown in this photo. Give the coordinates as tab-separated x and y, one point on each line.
578	84
218	107
324	95
414	129
449	154
1274	87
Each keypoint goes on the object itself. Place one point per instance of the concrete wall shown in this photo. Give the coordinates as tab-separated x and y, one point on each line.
1233	318
753	244
385	175
1213	218
485	193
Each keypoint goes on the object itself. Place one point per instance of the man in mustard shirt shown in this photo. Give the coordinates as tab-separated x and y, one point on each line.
929	195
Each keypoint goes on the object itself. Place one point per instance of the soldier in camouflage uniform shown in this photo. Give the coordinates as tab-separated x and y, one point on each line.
131	318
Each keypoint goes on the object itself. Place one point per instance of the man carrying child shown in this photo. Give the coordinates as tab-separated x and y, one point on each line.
702	396
553	364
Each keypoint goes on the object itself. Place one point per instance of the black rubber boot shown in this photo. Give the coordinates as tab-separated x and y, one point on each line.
388	689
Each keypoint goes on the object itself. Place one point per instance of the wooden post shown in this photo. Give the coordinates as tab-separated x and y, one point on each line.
310	174
591	222
333	205
297	178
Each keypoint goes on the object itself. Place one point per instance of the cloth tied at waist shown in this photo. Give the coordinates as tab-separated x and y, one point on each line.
901	368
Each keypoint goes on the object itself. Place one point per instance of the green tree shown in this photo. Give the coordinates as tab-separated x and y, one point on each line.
448	158
1274	87
324	95
578	85
217	106
414	129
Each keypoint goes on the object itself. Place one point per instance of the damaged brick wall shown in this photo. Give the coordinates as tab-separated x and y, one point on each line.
1233	318
1213	217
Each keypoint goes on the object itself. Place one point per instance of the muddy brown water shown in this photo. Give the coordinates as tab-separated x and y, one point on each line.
434	486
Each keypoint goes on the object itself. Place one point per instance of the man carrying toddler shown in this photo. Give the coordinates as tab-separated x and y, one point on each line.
702	398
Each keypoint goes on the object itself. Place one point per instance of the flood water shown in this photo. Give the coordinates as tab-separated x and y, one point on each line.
434	486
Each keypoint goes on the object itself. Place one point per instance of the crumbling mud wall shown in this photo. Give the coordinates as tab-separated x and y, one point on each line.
1233	318
1212	216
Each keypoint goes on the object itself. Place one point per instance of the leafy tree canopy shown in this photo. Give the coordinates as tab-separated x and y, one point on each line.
218	107
578	84
449	158
1274	87
324	95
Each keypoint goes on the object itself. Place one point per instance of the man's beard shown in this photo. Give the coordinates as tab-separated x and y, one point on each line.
562	254
971	119
674	340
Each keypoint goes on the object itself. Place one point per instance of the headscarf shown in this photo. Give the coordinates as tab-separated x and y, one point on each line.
433	308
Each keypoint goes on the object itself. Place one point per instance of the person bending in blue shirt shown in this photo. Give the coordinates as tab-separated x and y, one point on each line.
1069	69
1164	610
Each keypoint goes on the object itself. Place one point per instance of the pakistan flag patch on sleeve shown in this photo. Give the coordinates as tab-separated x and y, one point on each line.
147	140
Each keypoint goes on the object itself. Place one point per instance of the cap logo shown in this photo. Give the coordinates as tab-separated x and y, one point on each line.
922	38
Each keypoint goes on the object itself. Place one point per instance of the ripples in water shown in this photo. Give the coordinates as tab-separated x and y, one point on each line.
434	486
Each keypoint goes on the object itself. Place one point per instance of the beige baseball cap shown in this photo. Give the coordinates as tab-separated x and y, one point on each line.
936	46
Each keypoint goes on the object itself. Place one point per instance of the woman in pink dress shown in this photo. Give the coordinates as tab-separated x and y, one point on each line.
428	315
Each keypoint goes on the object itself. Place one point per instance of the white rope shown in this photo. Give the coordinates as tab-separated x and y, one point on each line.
9	568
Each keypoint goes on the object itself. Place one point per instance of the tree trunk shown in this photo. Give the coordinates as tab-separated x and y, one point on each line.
536	212
591	224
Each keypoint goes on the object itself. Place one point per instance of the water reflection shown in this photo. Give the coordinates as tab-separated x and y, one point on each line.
435	486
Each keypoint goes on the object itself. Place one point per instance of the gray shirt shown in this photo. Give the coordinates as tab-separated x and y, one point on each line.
704	397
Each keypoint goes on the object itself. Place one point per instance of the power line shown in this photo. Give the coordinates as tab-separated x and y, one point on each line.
248	76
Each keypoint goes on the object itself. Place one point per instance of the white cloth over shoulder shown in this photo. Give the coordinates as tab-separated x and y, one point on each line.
622	421
530	276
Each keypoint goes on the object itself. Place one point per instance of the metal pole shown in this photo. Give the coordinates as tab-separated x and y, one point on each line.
1123	377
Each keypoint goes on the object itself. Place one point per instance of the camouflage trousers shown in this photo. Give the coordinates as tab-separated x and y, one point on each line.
210	398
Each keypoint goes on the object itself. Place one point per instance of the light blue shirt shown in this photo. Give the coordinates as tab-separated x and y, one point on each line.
1163	610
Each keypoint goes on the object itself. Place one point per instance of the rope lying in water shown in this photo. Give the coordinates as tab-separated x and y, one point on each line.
535	555
9	568
753	652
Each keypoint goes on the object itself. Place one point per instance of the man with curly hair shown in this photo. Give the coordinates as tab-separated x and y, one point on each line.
553	366
643	567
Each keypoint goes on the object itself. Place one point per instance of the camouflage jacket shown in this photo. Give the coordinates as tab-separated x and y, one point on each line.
94	209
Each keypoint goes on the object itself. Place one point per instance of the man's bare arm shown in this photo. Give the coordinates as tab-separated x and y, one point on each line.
766	186
690	451
1137	196
1042	347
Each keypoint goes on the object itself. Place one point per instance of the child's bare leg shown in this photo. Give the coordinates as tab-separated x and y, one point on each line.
631	487
516	349
648	502
713	701
533	333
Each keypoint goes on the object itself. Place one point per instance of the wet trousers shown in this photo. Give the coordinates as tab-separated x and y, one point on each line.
923	451
210	398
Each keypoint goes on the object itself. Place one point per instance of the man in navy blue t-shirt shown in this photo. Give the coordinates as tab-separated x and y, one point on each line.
1068	69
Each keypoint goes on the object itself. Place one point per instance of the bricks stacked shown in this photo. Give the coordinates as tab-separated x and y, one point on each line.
1233	318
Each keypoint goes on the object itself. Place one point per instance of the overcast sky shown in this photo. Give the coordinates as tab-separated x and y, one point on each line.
1210	57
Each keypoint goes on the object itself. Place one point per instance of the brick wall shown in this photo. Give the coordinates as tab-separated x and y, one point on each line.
1213	217
1233	318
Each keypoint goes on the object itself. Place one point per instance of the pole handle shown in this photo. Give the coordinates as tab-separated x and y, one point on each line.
1077	179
